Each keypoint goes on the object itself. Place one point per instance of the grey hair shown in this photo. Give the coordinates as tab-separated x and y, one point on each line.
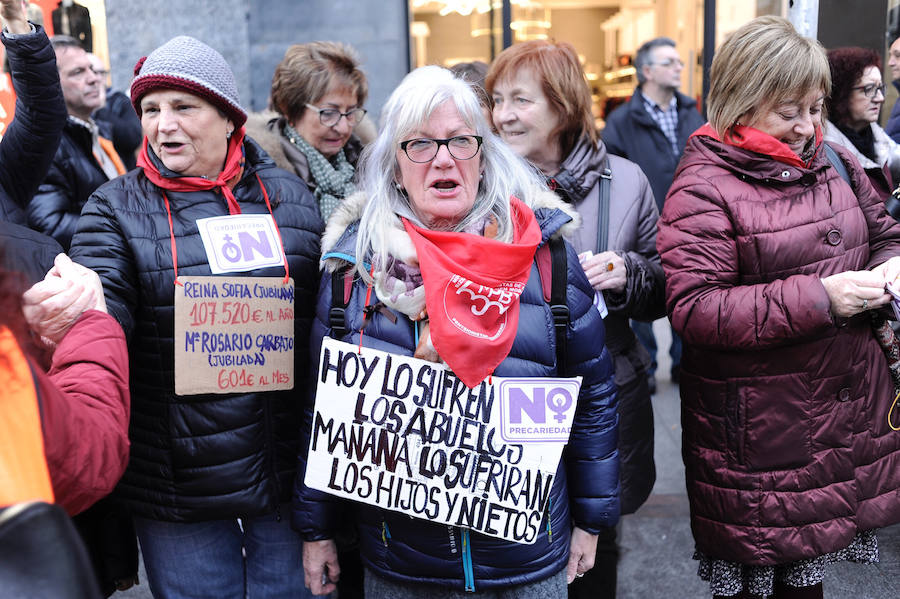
411	104
642	56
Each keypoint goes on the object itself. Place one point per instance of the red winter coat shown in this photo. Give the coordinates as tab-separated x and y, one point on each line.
85	404
786	445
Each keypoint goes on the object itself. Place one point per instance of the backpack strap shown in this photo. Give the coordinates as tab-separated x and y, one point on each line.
552	256
891	204
837	163
341	288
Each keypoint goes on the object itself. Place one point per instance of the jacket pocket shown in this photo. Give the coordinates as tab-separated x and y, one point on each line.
767	422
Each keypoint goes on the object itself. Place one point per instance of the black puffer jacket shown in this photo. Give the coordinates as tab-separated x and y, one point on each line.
73	176
26	251
29	143
631	233
124	126
199	457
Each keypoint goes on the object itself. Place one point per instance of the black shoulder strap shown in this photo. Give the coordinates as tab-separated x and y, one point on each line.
558	305
341	283
837	163
891	203
603	208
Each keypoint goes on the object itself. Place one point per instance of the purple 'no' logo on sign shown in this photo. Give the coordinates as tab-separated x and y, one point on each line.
538	409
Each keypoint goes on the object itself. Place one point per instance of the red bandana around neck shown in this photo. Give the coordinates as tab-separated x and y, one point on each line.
472	289
757	141
234	164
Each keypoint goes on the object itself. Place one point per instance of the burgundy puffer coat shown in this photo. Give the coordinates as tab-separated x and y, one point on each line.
786	444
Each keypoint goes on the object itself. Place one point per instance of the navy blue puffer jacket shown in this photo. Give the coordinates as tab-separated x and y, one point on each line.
585	490
198	457
33	135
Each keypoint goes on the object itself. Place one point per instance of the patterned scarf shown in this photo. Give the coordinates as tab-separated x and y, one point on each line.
334	182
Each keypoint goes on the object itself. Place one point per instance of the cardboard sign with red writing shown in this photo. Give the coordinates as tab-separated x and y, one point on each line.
233	335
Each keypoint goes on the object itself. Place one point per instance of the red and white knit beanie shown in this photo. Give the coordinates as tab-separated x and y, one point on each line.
186	63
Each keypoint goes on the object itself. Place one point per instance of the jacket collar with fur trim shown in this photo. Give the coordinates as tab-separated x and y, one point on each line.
554	216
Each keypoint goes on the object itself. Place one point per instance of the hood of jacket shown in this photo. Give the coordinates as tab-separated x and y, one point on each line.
554	216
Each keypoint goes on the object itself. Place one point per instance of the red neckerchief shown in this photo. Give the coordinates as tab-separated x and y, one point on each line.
230	175
472	289
234	165
755	140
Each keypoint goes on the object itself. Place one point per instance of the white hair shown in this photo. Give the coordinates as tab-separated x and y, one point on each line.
505	174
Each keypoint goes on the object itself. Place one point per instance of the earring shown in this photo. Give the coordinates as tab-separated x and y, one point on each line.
228	134
400	189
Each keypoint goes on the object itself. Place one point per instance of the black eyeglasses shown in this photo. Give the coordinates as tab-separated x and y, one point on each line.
870	90
332	116
424	149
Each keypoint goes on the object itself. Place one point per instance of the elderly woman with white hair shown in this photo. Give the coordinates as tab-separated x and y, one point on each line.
441	197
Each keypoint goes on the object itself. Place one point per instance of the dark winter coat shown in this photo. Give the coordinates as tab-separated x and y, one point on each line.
631	233
124	126
631	133
585	490
73	176
26	251
198	457
79	18
32	137
787	448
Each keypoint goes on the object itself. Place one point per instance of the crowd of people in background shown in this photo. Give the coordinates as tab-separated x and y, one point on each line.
766	234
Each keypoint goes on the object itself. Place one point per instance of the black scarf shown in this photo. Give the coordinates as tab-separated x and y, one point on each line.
863	140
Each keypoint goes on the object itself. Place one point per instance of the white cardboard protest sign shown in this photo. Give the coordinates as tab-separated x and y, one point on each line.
407	435
233	334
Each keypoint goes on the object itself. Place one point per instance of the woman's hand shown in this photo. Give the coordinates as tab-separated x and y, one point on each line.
605	271
13	16
582	549
53	305
856	291
320	566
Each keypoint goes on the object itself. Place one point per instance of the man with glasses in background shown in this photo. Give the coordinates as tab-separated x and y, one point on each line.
651	130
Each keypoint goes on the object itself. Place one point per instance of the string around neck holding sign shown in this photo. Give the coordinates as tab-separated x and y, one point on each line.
174	246
365	312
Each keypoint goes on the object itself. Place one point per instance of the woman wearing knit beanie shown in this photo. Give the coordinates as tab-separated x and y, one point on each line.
214	432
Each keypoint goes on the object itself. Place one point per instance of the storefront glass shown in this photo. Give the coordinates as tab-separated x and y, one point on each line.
606	33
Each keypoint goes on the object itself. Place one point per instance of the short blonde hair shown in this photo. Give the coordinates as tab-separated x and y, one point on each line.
760	65
308	71
559	73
